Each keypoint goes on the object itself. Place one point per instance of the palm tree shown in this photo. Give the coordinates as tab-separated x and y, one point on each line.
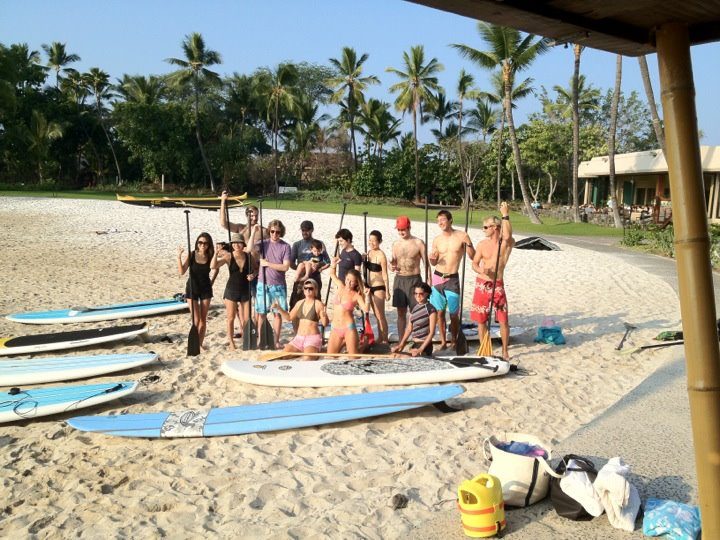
277	88
75	87
378	126
642	61
483	118
349	86
304	132
464	90
142	90
443	110
98	82
577	50
511	53
39	135
611	141
58	58
417	83
194	71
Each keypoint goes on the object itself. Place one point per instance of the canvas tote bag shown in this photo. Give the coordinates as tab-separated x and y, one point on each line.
525	479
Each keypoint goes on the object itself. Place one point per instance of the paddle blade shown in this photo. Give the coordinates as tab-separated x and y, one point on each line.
461	346
249	336
368	334
485	348
193	344
267	336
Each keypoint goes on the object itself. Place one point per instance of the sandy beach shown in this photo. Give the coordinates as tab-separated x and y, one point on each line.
330	481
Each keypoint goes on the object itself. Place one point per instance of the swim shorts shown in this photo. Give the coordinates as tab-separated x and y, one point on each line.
274	292
481	301
446	293
404	291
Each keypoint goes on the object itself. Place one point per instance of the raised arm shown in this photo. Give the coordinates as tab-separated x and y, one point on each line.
224	223
182	265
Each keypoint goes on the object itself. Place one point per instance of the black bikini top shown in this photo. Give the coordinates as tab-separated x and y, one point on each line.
373	267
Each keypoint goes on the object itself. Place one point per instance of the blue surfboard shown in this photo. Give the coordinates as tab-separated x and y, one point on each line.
265	416
142	308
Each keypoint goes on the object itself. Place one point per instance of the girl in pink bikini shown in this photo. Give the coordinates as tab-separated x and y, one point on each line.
350	293
308	312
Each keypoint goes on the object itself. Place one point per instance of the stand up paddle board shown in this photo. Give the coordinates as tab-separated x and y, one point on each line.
66	368
265	416
20	404
141	308
67	340
365	371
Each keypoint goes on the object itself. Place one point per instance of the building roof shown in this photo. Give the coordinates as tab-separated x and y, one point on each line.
617	26
648	162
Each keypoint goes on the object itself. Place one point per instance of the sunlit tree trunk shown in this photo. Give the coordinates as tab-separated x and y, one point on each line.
611	142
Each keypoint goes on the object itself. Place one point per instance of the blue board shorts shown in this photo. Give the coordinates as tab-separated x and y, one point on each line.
274	292
446	293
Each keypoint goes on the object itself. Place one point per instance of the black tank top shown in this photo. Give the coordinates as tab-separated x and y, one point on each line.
200	276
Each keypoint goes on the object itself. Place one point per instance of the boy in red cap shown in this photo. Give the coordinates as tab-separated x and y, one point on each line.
407	252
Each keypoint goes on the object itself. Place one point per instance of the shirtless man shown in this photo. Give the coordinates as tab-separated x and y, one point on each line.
484	263
405	262
446	256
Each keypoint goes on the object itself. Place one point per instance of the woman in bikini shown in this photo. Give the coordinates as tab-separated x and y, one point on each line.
378	283
308	312
242	270
199	281
350	293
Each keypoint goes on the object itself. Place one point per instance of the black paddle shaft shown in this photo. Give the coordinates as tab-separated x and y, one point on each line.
337	248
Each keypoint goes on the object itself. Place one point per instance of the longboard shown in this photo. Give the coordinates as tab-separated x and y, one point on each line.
67	340
110	312
264	417
365	371
21	404
208	203
67	368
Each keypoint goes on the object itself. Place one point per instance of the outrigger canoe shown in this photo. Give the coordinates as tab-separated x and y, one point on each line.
208	203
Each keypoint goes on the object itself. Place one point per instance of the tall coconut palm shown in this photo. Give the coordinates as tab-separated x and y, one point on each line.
483	118
75	87
444	109
58	58
349	85
194	71
378	126
577	51
98	83
464	91
611	141
306	128
642	61
415	89
277	88
511	53
39	135
142	90
588	99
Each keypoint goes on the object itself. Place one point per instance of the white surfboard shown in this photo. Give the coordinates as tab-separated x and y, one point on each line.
26	404
67	368
365	371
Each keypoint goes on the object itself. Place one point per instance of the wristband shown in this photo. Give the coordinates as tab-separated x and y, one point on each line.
506	217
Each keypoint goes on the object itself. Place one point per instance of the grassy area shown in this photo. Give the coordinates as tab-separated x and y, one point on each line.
521	223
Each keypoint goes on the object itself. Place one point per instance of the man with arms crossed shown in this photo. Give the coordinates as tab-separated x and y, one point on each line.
446	256
484	263
405	262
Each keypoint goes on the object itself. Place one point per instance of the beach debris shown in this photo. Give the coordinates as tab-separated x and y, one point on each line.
398	501
628	328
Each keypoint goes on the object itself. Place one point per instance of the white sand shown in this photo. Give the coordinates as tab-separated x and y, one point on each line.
334	481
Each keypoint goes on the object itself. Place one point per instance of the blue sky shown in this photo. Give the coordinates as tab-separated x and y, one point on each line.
135	37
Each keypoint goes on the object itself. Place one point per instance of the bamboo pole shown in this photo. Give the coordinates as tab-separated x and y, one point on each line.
692	249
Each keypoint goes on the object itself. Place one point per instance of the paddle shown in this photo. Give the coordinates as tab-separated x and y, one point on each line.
193	342
427	266
368	334
82	309
485	348
461	346
628	328
267	336
337	248
654	346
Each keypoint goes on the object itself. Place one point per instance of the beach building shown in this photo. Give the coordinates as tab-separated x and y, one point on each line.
642	184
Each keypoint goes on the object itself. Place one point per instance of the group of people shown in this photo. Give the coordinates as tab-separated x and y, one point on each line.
258	259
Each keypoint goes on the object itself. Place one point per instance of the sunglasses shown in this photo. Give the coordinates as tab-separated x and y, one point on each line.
310	288
488	226
274	231
201	243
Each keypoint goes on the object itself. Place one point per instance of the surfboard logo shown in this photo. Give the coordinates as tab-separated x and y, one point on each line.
188	423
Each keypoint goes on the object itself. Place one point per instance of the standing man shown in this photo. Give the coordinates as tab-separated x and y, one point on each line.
271	282
446	256
484	263
407	252
301	252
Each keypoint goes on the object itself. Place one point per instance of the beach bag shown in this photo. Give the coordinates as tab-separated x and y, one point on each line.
565	505
673	520
524	478
551	335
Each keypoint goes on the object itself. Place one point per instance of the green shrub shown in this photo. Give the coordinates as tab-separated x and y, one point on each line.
633	236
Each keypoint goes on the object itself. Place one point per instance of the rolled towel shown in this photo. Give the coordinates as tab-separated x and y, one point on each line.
618	496
577	484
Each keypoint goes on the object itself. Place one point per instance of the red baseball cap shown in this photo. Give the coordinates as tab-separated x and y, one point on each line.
402	222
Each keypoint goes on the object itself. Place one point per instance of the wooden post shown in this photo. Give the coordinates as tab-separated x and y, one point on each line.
692	248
